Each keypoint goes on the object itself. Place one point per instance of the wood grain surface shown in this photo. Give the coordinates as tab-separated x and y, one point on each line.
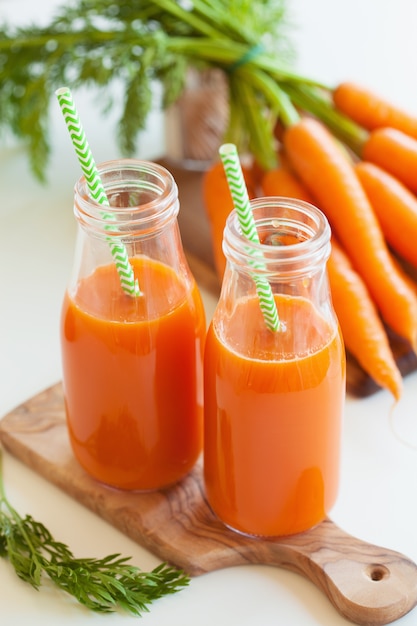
367	584
195	233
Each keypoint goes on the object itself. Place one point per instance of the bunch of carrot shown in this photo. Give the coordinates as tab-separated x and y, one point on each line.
370	201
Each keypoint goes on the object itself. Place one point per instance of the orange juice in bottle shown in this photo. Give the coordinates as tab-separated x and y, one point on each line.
274	400
132	365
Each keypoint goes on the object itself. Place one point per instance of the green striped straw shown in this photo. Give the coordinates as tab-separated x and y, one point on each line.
129	284
229	156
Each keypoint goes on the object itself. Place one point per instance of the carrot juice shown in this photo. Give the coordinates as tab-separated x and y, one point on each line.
273	412
132	372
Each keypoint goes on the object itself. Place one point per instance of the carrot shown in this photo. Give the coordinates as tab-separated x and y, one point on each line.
408	273
370	110
254	173
280	181
362	329
395	207
328	173
218	204
395	152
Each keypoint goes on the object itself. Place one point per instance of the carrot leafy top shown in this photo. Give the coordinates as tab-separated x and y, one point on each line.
136	45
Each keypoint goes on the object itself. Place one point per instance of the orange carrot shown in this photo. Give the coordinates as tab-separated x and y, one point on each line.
395	152
218	204
330	176
370	110
408	273
280	181
362	329
395	207
254	173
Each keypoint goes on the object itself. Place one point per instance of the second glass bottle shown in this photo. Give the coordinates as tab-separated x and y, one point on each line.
132	366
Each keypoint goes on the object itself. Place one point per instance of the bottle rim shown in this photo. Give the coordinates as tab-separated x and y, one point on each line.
143	196
278	217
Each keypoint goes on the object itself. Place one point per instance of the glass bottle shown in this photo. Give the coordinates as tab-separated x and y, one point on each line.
132	365
196	123
274	400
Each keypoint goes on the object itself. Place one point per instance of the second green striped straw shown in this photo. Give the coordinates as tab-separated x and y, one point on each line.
233	170
95	186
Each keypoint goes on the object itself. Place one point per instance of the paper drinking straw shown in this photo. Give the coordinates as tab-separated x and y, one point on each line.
95	186
229	156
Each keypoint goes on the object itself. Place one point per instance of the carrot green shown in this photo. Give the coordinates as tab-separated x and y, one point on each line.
123	50
102	585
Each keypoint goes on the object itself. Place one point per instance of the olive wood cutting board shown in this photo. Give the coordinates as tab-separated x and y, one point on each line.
195	233
367	584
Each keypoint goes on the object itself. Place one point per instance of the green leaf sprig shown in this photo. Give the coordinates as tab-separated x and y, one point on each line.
102	585
131	46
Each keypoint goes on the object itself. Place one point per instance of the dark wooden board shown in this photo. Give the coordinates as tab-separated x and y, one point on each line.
195	233
367	584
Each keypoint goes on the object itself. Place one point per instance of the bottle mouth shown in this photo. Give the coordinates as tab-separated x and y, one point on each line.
142	196
293	236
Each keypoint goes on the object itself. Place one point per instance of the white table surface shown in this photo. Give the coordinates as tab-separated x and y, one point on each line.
372	41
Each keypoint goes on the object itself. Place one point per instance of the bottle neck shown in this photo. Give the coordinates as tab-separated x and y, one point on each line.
143	199
294	240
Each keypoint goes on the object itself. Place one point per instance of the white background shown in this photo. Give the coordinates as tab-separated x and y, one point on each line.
370	41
